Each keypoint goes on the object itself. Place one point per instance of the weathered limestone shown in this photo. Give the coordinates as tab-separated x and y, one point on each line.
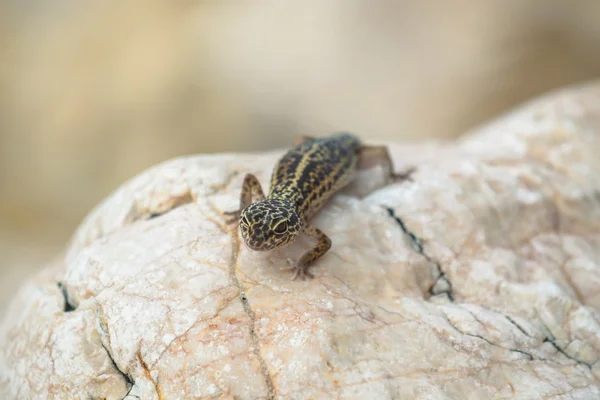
478	280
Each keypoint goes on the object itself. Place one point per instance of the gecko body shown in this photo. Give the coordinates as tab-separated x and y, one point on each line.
302	181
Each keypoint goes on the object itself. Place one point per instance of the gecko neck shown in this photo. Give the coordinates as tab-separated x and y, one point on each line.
287	194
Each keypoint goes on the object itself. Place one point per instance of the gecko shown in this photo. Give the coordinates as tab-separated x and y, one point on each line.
302	181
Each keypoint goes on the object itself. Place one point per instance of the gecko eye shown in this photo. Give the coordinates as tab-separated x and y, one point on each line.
281	227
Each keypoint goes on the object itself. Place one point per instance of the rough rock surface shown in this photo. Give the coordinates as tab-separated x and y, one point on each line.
478	280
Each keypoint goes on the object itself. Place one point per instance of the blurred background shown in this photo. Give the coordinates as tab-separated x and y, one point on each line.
94	92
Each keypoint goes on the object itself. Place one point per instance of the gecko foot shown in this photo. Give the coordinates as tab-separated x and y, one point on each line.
300	271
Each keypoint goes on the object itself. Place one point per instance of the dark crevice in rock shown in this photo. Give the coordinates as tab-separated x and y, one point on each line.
442	284
128	392
509	319
519	327
127	378
549	339
560	350
68	307
529	355
523	352
416	241
156	215
131	386
248	310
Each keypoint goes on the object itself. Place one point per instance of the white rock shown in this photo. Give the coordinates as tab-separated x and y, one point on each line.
478	280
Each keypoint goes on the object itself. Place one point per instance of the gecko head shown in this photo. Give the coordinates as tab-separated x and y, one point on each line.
268	224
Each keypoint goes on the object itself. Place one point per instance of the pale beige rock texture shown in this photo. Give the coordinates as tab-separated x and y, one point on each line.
478	280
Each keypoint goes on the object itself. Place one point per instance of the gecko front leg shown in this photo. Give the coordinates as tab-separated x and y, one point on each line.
307	260
251	192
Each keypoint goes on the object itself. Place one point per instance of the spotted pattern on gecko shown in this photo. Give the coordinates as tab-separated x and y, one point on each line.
302	181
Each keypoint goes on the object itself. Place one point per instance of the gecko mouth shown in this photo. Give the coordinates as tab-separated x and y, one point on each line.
258	246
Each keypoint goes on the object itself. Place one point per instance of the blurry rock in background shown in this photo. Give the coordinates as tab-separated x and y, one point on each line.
92	93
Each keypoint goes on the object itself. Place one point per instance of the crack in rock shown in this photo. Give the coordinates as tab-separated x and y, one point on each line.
552	340
248	310
442	284
531	357
519	327
563	352
127	378
68	307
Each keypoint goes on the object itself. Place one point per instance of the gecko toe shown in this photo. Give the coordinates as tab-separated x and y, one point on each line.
302	274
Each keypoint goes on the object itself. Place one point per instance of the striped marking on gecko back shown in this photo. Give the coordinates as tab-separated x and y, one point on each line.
310	173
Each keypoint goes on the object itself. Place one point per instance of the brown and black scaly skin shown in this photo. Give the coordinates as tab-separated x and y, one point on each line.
302	181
